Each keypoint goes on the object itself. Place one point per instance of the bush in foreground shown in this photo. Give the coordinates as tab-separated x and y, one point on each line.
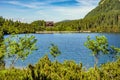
68	70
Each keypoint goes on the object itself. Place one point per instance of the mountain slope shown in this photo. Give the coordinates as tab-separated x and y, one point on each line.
104	18
105	6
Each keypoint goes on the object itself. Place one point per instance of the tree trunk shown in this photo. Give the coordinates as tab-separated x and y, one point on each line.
95	67
96	60
13	62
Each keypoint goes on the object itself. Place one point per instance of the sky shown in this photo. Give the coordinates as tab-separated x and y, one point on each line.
48	10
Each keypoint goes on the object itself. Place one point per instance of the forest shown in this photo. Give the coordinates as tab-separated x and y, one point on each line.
100	23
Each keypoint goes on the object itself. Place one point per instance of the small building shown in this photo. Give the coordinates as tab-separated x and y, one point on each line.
49	23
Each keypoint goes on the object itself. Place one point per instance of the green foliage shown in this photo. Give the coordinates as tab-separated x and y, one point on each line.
115	51
1	36
54	51
2	55
19	47
8	26
38	25
13	74
68	70
2	51
97	46
111	71
47	70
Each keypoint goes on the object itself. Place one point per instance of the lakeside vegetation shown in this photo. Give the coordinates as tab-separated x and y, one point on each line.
68	70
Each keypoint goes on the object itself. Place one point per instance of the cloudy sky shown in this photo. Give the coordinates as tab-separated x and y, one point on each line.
49	10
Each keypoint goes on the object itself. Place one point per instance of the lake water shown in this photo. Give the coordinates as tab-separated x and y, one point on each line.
72	47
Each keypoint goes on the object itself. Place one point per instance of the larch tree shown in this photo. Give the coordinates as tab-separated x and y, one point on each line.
97	46
19	47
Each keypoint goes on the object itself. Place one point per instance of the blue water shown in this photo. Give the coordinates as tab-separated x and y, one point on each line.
72	47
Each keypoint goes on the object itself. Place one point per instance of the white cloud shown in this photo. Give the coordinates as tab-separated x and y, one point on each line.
34	4
87	2
61	13
54	1
28	5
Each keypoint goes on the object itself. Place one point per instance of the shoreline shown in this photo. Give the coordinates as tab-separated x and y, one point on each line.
53	32
60	32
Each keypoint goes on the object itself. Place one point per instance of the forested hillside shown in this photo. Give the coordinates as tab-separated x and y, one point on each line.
105	6
104	18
